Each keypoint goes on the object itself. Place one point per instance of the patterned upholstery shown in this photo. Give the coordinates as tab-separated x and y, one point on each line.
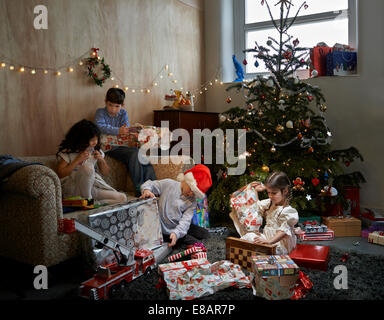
30	203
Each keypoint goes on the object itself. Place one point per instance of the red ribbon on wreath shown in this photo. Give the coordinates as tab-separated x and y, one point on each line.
95	51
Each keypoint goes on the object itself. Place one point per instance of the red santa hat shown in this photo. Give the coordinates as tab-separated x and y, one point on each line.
198	179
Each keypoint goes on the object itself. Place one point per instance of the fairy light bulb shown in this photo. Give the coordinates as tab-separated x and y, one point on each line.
116	85
3	65
33	71
70	69
155	84
22	69
11	68
45	71
166	67
221	83
126	88
141	90
148	91
133	91
174	81
161	77
170	74
113	79
58	73
81	63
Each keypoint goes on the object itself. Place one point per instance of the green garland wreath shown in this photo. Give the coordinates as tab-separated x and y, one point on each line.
92	63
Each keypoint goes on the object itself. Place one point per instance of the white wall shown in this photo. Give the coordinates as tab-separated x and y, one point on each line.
355	104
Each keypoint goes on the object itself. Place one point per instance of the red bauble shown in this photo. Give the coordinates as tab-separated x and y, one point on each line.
315	181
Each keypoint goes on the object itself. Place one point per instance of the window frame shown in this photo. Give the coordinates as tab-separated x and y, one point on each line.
241	28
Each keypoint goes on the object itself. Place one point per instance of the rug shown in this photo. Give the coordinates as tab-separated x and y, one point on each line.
364	278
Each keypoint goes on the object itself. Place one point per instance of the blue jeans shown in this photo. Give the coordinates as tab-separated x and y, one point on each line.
139	173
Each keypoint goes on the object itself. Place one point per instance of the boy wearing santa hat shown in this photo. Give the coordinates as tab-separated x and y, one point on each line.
177	203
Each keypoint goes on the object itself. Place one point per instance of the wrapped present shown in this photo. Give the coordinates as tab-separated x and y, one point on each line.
341	63
201	215
318	56
376	237
135	224
328	235
344	226
244	204
276	265
275	276
193	279
137	137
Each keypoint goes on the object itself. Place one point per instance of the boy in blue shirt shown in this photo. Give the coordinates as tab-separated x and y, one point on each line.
113	120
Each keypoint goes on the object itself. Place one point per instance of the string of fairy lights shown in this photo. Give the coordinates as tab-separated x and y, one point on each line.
79	63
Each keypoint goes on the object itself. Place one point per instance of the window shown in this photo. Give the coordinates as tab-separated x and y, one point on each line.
329	21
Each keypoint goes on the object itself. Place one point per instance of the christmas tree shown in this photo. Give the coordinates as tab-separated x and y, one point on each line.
286	128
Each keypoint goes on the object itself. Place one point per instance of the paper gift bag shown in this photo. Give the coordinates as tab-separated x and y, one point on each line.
319	59
341	63
201	215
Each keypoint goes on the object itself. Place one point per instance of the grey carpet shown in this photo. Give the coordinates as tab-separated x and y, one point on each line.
364	278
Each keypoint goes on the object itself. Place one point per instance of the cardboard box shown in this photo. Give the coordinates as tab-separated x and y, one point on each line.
344	226
311	256
275	276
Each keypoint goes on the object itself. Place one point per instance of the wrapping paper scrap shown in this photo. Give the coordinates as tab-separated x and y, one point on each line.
303	286
193	279
244	203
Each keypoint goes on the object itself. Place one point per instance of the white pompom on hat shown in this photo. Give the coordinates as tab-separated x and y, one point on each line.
198	179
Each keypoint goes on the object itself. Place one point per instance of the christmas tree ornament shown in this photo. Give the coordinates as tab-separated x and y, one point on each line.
245	62
269	42
289	124
222	118
315	182
229	100
296	42
273	149
314	73
310	98
260	113
265	168
309	198
323	108
279	128
270	83
347	163
298	184
311	150
300	136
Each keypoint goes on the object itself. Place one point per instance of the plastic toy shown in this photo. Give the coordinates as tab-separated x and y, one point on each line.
108	280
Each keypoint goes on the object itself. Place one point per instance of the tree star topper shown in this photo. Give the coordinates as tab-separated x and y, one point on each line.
286	3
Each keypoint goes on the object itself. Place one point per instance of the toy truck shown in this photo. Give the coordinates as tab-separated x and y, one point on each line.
110	279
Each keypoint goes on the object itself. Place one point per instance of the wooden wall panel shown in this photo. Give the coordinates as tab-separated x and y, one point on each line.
137	38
